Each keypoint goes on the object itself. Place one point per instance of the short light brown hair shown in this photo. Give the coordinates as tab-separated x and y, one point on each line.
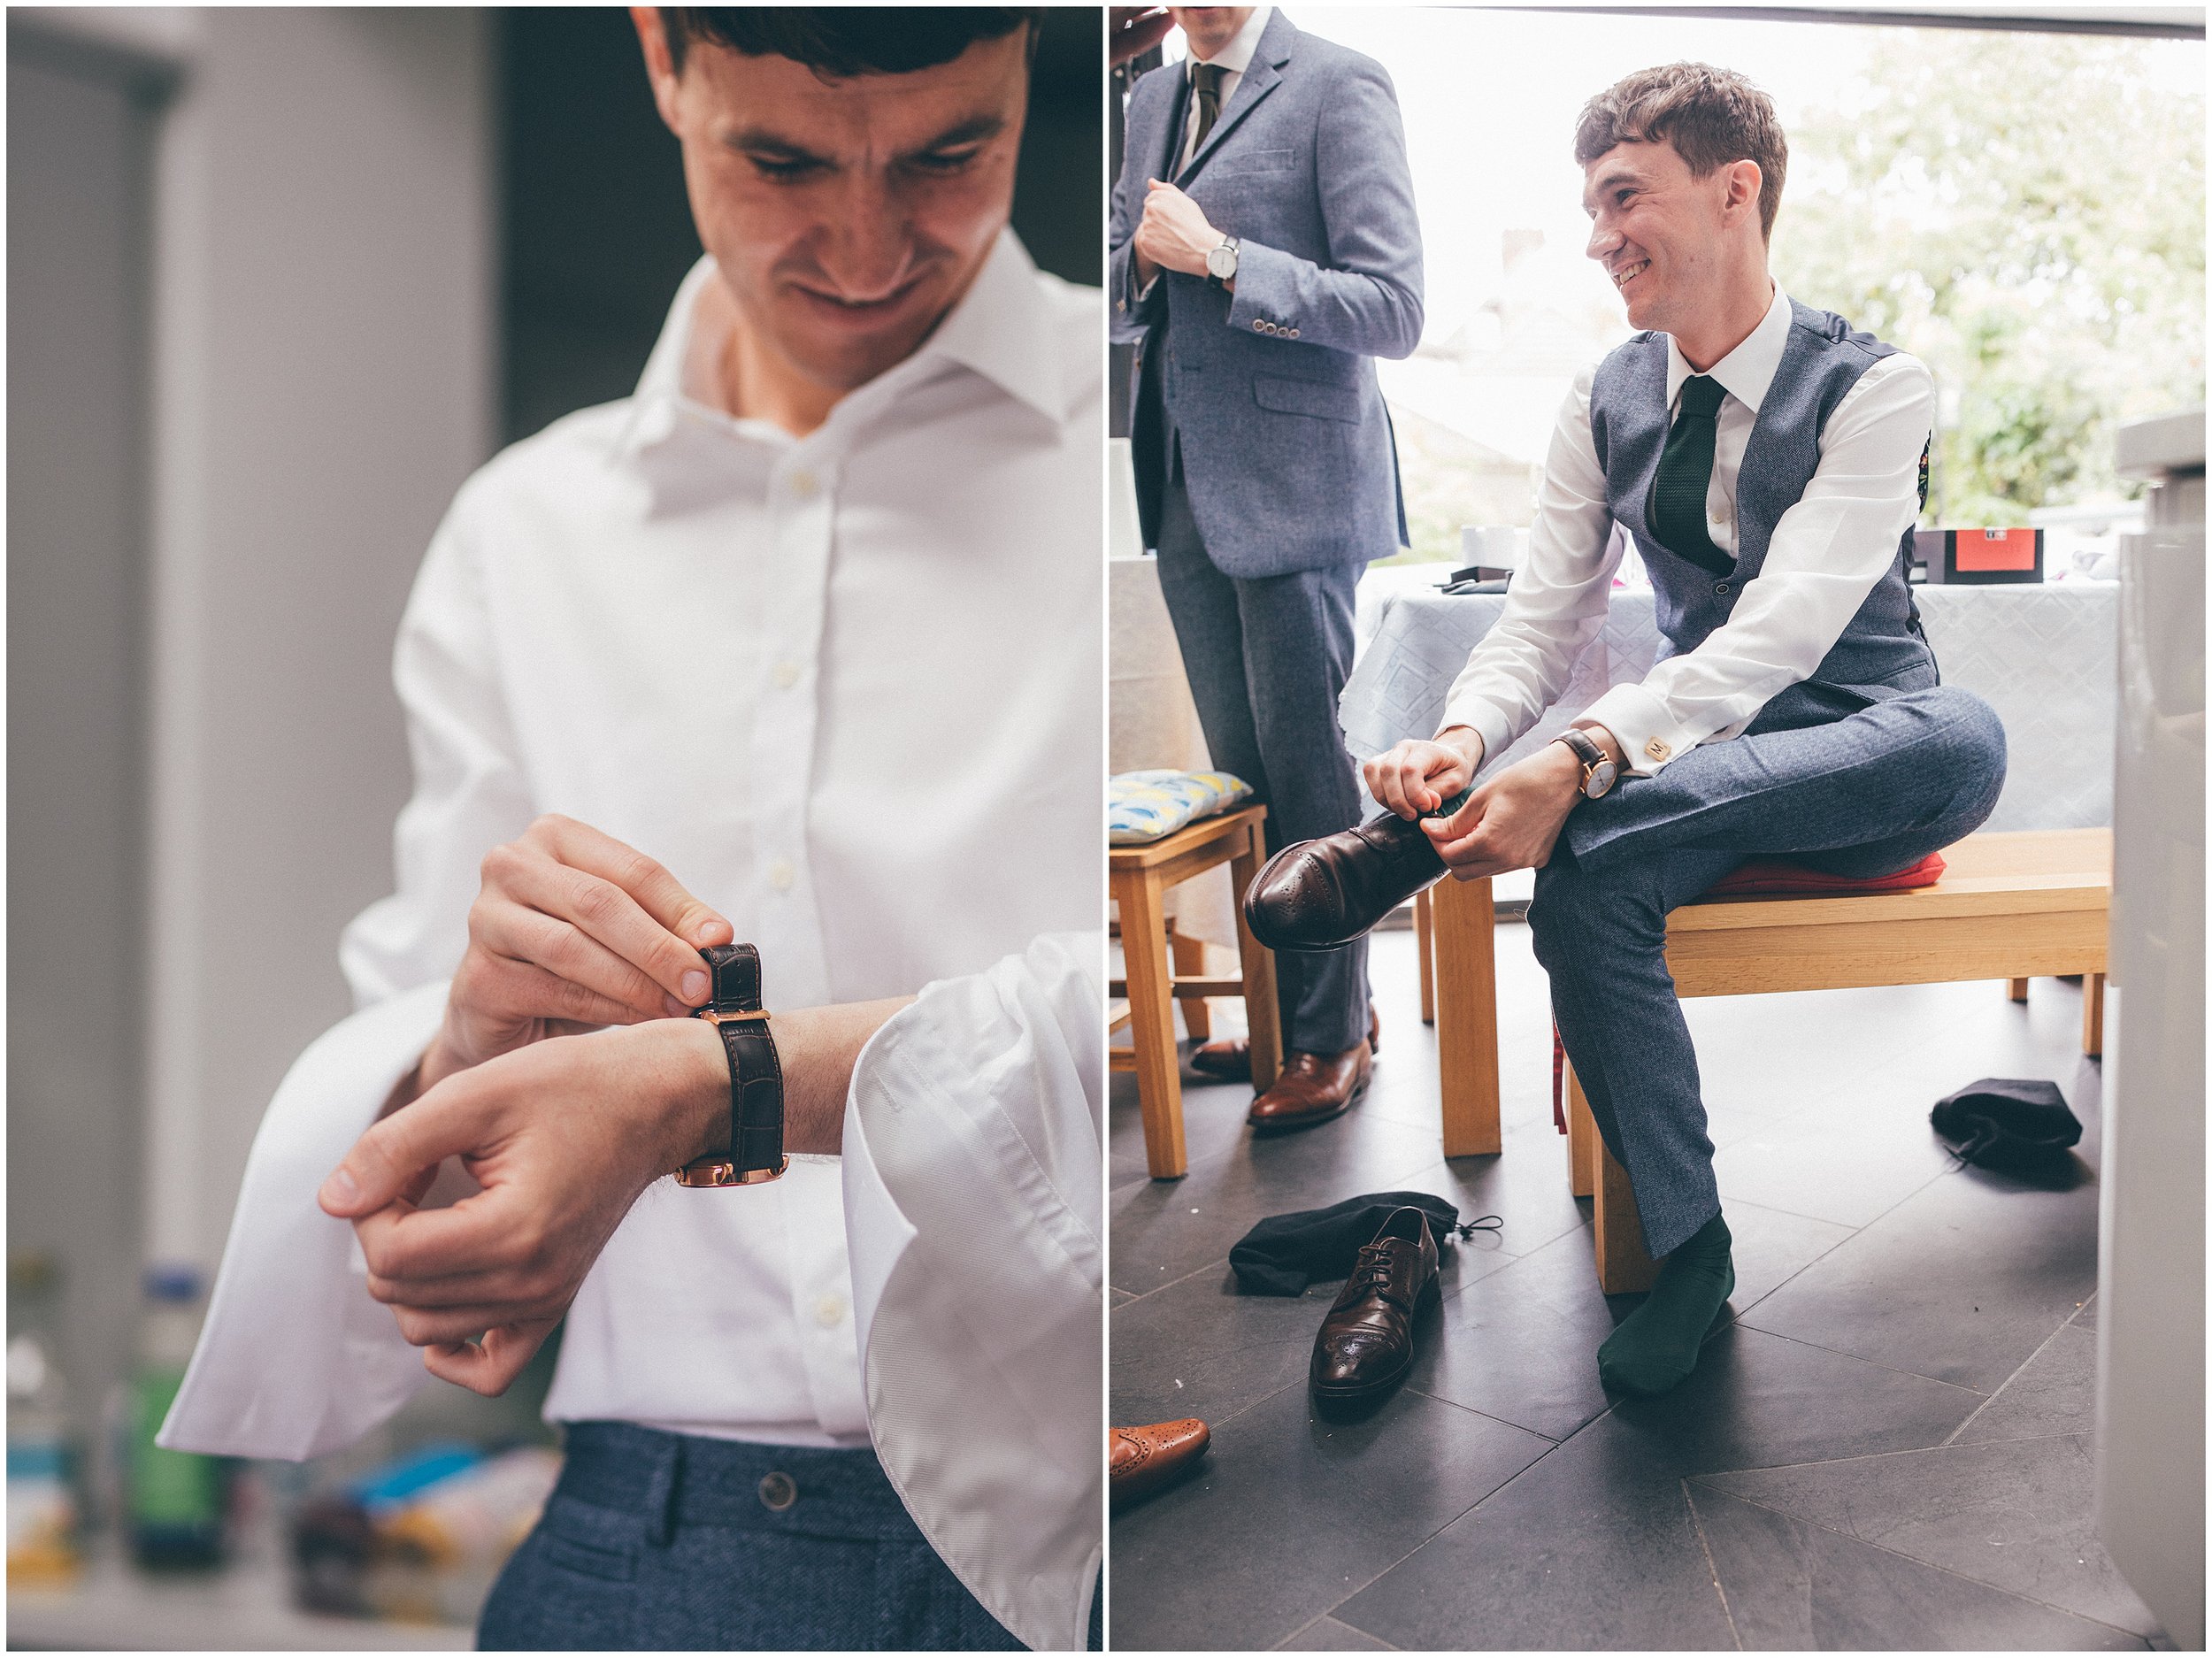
1714	117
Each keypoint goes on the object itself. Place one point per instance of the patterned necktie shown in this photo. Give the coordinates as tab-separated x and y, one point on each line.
1205	79
1685	473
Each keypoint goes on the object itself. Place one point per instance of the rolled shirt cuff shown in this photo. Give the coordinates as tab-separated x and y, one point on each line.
1650	736
1487	722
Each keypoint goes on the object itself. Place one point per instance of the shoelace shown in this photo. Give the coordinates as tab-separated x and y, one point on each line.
1481	1223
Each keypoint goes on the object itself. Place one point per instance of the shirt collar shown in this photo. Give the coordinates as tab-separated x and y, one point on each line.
1001	329
1746	372
1236	56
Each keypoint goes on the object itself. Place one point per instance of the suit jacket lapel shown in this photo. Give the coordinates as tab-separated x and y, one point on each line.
1171	142
1261	77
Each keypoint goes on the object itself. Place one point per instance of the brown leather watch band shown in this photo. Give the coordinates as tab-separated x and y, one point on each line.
755	1153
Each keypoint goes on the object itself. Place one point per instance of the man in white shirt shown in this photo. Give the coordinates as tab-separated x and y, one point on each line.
1769	463
808	628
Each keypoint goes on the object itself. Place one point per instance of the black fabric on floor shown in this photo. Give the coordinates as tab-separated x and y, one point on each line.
2015	1126
1284	1252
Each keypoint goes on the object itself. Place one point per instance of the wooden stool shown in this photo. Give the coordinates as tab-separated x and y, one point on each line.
1138	877
2009	906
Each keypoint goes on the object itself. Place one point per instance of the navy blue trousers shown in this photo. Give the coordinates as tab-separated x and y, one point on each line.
1822	778
1267	658
674	1542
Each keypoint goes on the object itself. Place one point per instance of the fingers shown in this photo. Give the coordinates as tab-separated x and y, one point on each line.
526	964
1407	779
489	1233
660	895
387	1163
490	1366
446	1326
614	896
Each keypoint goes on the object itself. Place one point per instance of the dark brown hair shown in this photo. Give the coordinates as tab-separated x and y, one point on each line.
1714	117
837	42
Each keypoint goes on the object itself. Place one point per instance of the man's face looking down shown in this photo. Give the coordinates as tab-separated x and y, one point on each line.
846	216
1666	237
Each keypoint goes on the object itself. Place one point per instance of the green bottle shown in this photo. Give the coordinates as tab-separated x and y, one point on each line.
175	1501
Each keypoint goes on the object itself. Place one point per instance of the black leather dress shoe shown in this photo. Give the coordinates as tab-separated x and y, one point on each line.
1321	895
1365	1347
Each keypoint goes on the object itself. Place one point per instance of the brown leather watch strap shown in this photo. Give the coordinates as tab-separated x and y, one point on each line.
755	1153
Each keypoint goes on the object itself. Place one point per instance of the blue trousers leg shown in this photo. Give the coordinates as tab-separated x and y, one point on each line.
1267	659
1867	795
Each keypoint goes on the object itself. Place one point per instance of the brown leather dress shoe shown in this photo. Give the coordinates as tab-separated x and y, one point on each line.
1365	1345
1142	1460
1321	895
1230	1060
1313	1088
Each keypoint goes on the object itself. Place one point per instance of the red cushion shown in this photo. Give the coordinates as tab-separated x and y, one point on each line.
1773	878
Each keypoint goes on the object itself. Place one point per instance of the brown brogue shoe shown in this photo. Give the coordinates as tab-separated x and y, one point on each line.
1313	1088
1365	1345
1230	1060
1321	895
1141	1460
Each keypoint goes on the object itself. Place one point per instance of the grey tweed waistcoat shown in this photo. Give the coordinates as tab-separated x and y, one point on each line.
1881	652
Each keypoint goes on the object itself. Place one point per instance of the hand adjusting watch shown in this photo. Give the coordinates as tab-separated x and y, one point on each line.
1599	773
755	1154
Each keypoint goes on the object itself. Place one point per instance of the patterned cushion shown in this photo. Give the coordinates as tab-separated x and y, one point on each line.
1148	805
1775	878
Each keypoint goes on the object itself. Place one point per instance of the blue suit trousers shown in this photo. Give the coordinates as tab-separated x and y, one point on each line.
1267	658
1863	793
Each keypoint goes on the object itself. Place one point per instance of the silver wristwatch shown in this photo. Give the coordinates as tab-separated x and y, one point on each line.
1599	773
1221	263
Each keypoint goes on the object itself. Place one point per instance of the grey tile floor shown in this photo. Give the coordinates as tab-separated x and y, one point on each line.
1889	1447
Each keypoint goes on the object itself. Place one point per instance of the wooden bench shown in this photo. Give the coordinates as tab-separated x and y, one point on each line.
1138	878
2012	906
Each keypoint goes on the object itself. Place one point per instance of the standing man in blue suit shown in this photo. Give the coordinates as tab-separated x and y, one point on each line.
1265	250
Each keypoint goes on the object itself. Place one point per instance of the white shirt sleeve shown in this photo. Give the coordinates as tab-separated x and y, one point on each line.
974	1136
295	1358
1556	602
1824	558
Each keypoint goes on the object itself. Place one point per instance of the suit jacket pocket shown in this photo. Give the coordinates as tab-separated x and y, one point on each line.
1254	161
1307	397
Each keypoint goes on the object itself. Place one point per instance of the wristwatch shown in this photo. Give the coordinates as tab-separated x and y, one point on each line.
1221	263
755	1153
1599	773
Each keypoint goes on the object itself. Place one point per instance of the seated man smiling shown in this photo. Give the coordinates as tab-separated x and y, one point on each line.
1770	462
798	647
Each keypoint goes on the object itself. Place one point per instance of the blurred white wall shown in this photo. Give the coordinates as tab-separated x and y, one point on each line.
325	379
323	374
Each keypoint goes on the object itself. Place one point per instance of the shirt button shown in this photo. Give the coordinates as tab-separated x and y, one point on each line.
780	875
829	1312
803	485
787	675
777	1490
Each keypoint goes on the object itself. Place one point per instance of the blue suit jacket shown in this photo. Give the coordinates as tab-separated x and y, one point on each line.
1286	447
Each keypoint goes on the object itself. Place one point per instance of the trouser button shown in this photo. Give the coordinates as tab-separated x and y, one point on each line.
778	1490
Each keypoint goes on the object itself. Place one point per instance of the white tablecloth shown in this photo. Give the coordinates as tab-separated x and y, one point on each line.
2044	657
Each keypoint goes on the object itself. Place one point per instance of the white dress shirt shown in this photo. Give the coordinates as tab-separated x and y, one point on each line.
1824	556
846	687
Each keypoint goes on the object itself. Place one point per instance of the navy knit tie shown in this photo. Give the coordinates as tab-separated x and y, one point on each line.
1685	473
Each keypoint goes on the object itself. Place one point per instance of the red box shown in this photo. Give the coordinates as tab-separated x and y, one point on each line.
1970	556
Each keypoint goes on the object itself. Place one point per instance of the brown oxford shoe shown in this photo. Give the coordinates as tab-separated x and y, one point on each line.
1365	1345
1313	1088
1321	895
1230	1060
1142	1460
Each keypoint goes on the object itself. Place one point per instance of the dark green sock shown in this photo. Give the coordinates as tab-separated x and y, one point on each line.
1655	1346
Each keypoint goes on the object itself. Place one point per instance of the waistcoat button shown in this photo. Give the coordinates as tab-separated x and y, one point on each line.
778	1490
1723	589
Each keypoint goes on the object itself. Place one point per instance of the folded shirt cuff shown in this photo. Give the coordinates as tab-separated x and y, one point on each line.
1650	736
1487	722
